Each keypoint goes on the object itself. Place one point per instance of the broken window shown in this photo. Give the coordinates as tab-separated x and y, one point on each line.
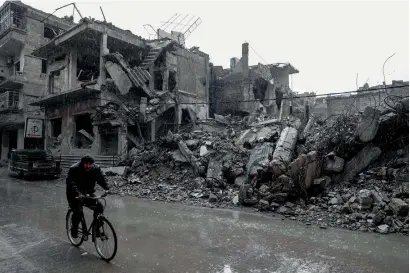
172	83
158	80
50	32
87	67
84	136
109	140
59	57
166	122
51	81
279	96
44	66
259	88
186	117
56	127
17	67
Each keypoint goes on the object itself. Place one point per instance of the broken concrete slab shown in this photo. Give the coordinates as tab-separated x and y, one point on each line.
309	125
259	158
136	75
257	134
240	180
358	163
368	124
177	156
383	229
402	107
214	170
312	168
297	165
320	184
334	164
266	123
120	78
399	207
221	119
192	143
203	151
187	153
121	170
365	199
285	145
86	135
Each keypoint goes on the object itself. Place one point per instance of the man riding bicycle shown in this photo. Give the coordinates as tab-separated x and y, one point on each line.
81	180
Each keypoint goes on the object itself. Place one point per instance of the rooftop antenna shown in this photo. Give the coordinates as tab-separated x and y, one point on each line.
148	29
187	23
171	21
75	7
183	19
105	20
192	27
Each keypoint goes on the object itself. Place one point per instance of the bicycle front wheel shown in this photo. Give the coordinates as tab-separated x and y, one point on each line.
80	238
105	239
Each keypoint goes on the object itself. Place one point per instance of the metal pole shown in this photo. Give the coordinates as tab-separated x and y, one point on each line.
384	76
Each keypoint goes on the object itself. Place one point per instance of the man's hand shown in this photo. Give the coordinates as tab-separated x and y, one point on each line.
106	192
80	197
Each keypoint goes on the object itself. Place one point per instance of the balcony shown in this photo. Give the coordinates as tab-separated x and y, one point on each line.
13	23
9	101
11	82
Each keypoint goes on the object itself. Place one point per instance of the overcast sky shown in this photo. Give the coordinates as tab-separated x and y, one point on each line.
328	42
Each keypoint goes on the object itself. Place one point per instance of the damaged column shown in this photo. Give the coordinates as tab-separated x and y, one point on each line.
122	140
165	77
284	149
103	51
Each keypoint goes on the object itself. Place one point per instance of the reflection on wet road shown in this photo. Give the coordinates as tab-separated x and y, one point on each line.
157	237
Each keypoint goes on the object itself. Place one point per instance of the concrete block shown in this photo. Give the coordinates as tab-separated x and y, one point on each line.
285	145
358	163
120	78
399	207
368	124
117	170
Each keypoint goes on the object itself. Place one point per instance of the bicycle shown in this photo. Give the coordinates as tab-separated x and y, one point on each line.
101	235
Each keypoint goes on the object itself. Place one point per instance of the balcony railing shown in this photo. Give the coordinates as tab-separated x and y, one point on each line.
9	101
12	15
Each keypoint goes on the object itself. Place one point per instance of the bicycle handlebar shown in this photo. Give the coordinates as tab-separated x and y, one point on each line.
94	197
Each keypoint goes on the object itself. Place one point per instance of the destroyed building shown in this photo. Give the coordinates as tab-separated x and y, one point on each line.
22	75
109	90
244	89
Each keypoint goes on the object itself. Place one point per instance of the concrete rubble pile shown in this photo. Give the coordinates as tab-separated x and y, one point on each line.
346	171
197	167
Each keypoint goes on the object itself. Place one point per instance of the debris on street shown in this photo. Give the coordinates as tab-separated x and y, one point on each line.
338	180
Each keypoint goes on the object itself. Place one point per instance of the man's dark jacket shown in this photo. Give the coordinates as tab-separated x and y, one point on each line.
82	181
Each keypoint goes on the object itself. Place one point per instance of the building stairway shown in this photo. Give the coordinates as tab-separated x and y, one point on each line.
66	161
151	57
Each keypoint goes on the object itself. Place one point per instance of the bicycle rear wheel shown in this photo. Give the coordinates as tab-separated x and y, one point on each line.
106	242
80	238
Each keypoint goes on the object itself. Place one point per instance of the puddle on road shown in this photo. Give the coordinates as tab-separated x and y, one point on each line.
286	264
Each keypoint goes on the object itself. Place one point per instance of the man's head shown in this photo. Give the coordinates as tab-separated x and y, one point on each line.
87	162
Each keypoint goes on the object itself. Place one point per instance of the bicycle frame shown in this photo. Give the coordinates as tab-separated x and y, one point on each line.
95	218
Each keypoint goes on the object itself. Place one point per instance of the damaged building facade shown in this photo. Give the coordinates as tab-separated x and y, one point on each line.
244	89
109	90
22	75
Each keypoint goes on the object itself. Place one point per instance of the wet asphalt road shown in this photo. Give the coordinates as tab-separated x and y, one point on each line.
157	237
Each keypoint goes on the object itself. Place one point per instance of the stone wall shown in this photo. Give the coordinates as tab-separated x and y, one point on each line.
193	70
353	104
198	105
67	114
